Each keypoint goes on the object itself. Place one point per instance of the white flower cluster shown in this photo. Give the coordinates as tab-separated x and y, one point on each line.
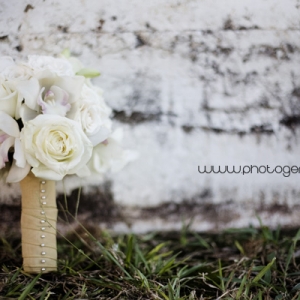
54	121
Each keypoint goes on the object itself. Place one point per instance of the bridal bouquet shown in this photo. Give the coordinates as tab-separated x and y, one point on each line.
53	123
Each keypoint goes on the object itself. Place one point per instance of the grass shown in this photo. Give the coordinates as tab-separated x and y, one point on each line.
235	264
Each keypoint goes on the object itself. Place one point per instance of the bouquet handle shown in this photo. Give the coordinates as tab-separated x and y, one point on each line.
38	225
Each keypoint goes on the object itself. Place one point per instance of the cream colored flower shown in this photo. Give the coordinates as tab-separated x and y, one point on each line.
10	138
109	156
49	95
10	76
56	146
54	101
8	97
93	115
58	66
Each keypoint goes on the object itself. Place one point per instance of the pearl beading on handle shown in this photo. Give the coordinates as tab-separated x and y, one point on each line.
38	225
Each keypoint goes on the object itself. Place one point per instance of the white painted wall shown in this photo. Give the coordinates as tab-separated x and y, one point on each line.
212	80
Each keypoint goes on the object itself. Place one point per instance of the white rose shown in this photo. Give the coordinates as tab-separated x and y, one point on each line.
8	97
5	61
56	146
10	75
110	155
17	72
57	66
93	115
9	70
10	138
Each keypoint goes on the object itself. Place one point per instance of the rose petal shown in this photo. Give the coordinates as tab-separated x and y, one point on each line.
9	125
100	136
72	85
46	173
57	66
6	61
16	173
8	103
117	135
29	90
76	64
19	154
83	172
26	113
4	148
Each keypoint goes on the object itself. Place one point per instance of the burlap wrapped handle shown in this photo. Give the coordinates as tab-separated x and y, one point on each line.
38	225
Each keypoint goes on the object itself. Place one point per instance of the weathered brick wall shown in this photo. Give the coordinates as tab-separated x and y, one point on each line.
192	83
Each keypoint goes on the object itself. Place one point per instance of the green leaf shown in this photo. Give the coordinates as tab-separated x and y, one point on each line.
170	264
144	279
171	291
66	53
289	257
240	247
184	272
129	249
264	271
296	287
221	276
29	287
44	293
155	250
201	241
241	288
249	230
15	275
296	238
140	255
88	73
268	276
